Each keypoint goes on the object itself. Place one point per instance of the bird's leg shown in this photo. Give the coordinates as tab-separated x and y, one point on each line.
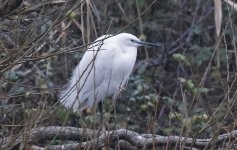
100	105
114	107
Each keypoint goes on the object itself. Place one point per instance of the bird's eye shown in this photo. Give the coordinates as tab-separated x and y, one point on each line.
132	40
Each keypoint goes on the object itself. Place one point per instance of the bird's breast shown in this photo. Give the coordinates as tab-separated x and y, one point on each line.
122	68
125	61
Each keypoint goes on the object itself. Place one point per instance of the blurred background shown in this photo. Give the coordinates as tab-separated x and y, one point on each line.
186	87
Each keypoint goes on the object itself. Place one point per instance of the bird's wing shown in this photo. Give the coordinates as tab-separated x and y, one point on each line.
82	81
95	67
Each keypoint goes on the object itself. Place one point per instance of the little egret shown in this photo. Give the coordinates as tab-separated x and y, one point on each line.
103	71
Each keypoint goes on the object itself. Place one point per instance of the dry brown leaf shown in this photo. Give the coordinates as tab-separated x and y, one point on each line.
218	16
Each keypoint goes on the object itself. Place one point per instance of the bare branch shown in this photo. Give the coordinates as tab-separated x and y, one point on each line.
120	137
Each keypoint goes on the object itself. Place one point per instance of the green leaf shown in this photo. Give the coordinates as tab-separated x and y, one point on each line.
144	107
181	58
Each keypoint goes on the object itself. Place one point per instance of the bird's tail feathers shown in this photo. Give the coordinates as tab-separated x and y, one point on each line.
69	96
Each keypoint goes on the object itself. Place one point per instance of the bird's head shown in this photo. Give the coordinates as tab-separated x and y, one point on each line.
130	40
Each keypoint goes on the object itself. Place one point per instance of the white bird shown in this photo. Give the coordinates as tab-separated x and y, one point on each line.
103	71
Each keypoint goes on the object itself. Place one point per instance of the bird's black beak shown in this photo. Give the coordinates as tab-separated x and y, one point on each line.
148	44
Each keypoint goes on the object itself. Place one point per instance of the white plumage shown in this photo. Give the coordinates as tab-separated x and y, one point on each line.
103	71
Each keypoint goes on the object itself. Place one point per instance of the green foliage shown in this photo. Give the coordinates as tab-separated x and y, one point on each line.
140	3
190	86
11	75
143	93
62	114
202	54
196	121
171	130
180	58
72	15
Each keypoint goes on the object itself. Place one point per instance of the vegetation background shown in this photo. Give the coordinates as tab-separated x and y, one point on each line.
186	88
